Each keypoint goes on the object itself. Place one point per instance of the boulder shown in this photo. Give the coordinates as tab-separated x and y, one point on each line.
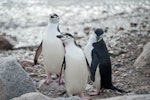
14	81
39	96
32	96
5	44
129	97
144	57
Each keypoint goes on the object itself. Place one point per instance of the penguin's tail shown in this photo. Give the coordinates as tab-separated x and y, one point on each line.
119	90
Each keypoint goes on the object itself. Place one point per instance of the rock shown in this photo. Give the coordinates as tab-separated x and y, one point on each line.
39	96
32	96
118	65
53	89
133	24
87	30
5	44
120	29
130	97
14	81
144	58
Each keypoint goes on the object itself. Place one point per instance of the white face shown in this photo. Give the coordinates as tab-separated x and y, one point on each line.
53	18
94	38
66	38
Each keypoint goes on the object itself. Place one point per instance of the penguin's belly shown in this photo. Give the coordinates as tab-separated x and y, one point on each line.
88	53
76	75
97	81
53	55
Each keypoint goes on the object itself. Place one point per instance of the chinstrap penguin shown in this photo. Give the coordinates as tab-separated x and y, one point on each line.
76	72
52	49
99	61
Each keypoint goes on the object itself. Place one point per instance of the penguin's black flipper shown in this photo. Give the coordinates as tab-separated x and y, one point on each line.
38	52
94	65
88	67
58	29
63	65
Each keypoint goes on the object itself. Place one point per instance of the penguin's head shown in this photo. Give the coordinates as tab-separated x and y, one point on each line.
66	38
98	34
53	18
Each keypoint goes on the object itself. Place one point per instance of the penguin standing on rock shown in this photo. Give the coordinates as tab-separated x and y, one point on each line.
76	72
52	49
99	61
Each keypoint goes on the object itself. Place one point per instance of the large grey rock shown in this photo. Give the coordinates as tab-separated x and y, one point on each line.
144	58
32	96
14	81
129	97
5	44
39	96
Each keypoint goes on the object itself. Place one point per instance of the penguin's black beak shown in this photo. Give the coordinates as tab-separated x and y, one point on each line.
59	36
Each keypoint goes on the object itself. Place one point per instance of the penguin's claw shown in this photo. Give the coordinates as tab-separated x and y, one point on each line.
94	93
62	80
84	97
48	80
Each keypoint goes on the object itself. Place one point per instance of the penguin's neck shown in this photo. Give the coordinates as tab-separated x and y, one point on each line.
52	27
92	39
70	46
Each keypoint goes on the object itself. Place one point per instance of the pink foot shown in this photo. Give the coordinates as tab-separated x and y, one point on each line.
61	80
84	97
48	80
94	93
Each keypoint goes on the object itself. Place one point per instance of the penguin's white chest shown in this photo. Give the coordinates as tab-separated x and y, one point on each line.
88	53
76	73
53	51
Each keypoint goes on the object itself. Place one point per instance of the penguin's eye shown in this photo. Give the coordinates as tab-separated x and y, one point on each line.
66	36
55	15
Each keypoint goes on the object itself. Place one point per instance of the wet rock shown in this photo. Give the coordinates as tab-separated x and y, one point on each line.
5	44
144	57
118	65
133	24
14	81
129	60
120	29
134	30
39	96
114	53
106	29
130	97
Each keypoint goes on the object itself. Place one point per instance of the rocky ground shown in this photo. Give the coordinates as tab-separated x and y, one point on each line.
127	33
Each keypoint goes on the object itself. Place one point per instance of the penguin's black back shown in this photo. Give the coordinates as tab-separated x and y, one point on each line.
103	59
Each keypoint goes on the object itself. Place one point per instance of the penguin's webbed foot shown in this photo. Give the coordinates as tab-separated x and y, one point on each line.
84	97
94	92
61	80
48	80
